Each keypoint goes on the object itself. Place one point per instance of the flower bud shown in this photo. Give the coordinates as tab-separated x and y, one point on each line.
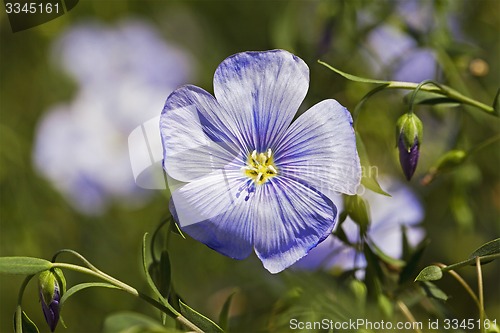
51	286
447	162
408	138
451	160
358	210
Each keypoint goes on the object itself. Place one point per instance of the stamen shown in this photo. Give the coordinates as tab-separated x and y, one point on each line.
259	177
272	168
248	167
260	167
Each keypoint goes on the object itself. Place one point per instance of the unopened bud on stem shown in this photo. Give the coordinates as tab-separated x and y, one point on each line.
51	286
408	138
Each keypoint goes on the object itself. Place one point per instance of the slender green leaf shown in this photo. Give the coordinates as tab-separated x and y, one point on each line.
339	231
224	314
149	279
405	243
131	322
28	326
496	103
412	261
23	265
431	290
430	273
353	77
374	275
71	291
165	274
385	258
490	248
199	320
472	262
368	179
372	184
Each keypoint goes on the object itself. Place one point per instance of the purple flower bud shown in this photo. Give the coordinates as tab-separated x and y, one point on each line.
409	130
49	286
51	310
408	158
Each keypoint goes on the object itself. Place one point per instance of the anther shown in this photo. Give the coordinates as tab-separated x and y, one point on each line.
254	155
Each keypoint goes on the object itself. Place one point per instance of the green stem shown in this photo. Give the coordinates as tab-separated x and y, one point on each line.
463	283
166	308
79	256
19	319
357	108
471	261
19	311
404	309
447	91
417	89
437	88
153	238
481	295
99	275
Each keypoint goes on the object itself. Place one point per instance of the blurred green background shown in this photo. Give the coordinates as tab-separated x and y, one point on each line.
462	207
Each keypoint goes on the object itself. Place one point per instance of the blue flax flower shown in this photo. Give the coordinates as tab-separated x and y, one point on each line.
242	175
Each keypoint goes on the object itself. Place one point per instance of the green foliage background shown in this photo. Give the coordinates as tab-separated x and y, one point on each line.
462	207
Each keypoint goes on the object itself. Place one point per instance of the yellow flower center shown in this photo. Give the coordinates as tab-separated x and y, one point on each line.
260	167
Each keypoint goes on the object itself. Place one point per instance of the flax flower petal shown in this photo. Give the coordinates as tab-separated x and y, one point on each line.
319	148
290	219
195	140
261	92
213	210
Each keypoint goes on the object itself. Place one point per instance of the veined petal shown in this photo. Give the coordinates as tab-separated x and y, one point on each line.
290	219
261	92
319	149
215	211
195	140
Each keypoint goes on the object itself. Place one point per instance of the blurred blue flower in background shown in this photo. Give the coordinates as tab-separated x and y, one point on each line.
393	52
242	175
123	73
389	48
389	215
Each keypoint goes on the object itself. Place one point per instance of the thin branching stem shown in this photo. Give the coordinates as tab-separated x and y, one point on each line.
407	313
435	88
131	290
19	310
471	261
462	282
481	295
